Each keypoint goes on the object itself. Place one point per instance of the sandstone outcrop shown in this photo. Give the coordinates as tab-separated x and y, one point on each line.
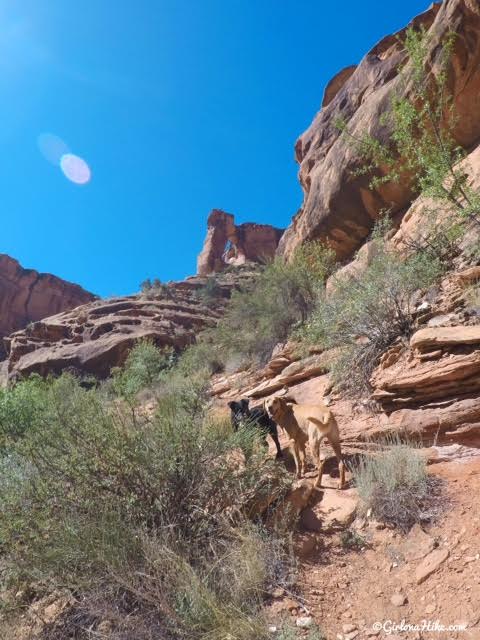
27	296
339	206
97	336
229	244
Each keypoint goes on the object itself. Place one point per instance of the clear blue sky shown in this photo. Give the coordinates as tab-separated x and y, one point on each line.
177	106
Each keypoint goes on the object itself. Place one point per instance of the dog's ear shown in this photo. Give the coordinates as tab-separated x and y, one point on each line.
233	405
244	404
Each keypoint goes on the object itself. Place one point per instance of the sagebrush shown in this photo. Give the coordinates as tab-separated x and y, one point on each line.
145	518
394	485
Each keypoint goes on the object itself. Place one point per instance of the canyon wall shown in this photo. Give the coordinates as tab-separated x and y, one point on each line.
27	296
338	205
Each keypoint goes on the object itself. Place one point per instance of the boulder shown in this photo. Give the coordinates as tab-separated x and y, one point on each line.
335	509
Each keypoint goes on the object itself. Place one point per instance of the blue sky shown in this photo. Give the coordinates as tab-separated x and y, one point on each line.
177	106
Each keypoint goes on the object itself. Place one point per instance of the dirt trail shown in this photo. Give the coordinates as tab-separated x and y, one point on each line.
347	591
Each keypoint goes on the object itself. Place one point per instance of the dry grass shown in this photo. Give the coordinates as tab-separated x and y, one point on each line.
395	485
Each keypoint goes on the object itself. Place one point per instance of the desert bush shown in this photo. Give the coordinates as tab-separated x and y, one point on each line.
146	285
210	292
153	512
395	486
205	355
152	288
364	314
421	149
282	296
21	407
143	368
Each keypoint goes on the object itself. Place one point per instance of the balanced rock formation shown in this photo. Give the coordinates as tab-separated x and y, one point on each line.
27	296
230	244
93	338
338	205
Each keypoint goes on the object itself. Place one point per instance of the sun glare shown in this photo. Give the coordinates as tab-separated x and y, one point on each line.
57	152
75	168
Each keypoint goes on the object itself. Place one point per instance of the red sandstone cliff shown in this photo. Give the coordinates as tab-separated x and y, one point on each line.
229	244
27	296
338	205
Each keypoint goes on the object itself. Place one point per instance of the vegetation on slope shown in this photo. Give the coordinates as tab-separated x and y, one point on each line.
146	520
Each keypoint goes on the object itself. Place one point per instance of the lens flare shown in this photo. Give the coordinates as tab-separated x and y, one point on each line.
57	152
52	147
75	168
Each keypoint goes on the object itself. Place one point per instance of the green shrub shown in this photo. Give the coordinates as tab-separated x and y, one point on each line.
395	486
21	407
422	150
205	355
151	288
282	296
144	367
151	512
210	292
364	314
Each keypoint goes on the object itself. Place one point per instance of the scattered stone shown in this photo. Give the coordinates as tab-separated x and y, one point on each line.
336	510
468	559
430	564
430	609
278	592
290	604
398	599
417	545
352	635
348	628
305	622
372	632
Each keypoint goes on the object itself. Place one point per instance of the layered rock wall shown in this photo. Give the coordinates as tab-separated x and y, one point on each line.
27	296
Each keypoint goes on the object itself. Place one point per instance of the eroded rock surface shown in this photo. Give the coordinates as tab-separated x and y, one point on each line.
339	206
27	296
229	244
97	336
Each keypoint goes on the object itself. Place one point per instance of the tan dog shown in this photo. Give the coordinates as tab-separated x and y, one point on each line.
307	422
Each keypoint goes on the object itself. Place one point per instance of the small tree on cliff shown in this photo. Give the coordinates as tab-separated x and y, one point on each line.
422	149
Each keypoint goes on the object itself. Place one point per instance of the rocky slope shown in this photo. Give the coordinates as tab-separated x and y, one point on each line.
27	296
97	336
339	206
229	244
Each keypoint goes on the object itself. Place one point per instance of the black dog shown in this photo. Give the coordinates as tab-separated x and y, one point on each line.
258	416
